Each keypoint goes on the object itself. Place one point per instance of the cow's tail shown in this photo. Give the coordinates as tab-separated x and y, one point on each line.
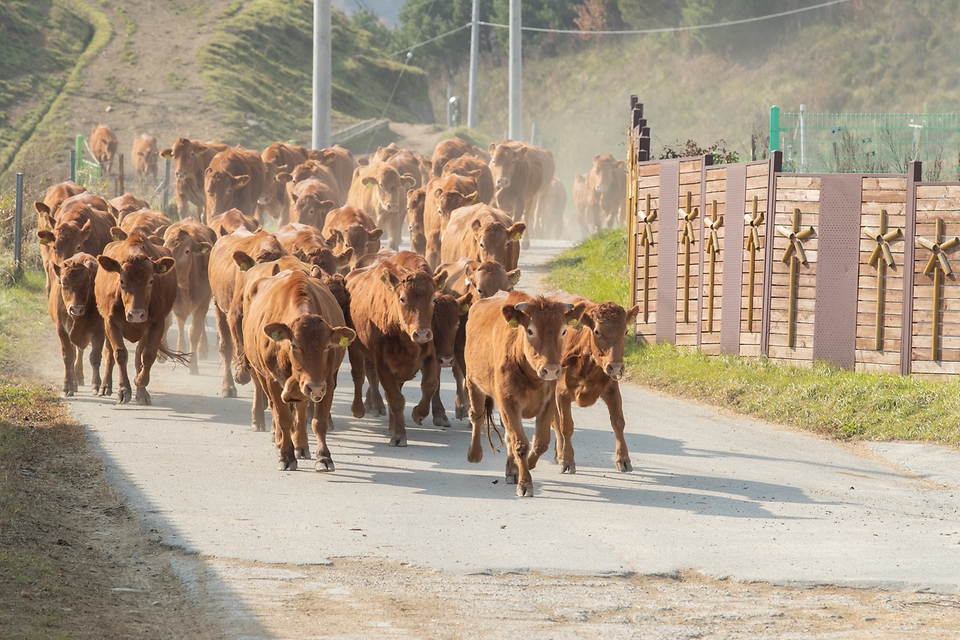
488	418
165	353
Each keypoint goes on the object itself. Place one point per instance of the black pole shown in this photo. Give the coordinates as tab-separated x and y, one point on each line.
18	227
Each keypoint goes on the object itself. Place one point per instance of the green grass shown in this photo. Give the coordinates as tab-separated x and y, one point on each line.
846	405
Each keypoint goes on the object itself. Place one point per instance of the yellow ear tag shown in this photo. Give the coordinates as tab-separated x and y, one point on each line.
243	267
573	322
275	335
513	323
163	268
116	238
44	241
204	249
516	237
344	342
465	308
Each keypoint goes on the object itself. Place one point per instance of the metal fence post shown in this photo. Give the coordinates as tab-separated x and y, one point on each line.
18	227
774	129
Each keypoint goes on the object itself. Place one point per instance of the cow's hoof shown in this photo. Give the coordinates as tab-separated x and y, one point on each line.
303	453
357	410
228	392
525	490
461	413
568	468
106	391
417	416
194	370
624	466
441	421
397	441
241	377
512	478
143	397
324	465
287	465
123	396
68	393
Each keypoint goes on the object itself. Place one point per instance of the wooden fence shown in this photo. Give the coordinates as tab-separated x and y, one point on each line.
852	269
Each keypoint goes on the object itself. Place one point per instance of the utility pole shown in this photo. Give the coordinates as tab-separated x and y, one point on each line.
322	51
474	55
516	62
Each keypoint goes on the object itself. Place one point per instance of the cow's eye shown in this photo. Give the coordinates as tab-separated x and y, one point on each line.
530	331
403	299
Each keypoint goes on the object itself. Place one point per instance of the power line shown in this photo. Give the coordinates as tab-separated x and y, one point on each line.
425	42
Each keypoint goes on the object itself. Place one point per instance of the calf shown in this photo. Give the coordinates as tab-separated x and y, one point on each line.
234	179
592	368
73	309
349	228
480	232
229	221
381	191
279	159
136	289
191	159
306	242
593	190
310	202
103	145
145	155
190	242
415	201
473	167
392	311
443	196
297	339
513	357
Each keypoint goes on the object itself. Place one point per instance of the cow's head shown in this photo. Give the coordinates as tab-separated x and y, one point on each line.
602	176
265	248
447	314
274	189
544	323
322	256
462	195
137	275
188	254
313	348
221	189
503	161
187	157
608	323
414	295
493	239
66	238
489	278
415	202
358	239
311	208
391	188
76	276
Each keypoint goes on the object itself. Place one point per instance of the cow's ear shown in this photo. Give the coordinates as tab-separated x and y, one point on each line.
315	271
328	157
632	314
86	229
573	312
514	316
166	153
596	158
408	181
345	256
164	264
208	172
162	231
363	162
56	269
243	260
46	236
342	336
239	182
118	234
205	247
278	331
475	226
621	165
374	234
112	210
108	264
369	182
327	206
471	198
516	231
586	320
521	152
41	208
299	254
389	278
468	270
156	240
464	302
513	276
283	177
51	221
334	238
492	147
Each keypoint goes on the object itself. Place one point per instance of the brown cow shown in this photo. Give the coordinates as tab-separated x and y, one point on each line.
541	202
82	225
145	155
473	167
306	243
415	201
226	278
341	164
382	192
230	221
553	224
594	188
447	150
297	339
350	228
392	312
54	197
234	179
150	222
279	159
448	315
443	196
592	368
103	145
191	159
518	172
513	356
480	232
124	205
310	202
73	309
190	242
136	288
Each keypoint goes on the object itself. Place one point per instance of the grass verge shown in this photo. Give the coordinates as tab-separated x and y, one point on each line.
840	404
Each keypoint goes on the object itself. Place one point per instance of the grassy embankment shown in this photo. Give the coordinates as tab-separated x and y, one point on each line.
840	404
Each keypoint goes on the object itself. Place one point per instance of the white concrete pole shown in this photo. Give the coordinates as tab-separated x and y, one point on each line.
322	71
516	65
474	55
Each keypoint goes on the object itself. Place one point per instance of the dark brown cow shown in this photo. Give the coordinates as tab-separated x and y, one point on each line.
190	242
124	205
226	278
234	179
447	150
73	308
305	242
480	232
392	312
443	196
279	159
297	339
136	288
103	145
518	173
350	228
191	159
230	221
382	192
145	154
594	189
310	202
513	356
341	164
415	201
448	315
473	167
592	368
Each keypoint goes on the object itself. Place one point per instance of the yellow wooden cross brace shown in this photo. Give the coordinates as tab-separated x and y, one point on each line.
794	250
754	221
883	239
646	241
687	237
713	247
939	267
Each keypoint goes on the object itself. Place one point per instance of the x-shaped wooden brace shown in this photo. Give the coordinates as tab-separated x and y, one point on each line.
939	267
795	256
687	237
882	250
753	221
713	248
646	241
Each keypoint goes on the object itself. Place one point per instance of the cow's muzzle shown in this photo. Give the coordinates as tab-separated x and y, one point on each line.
76	309
445	361
614	370
136	315
549	372
503	182
422	336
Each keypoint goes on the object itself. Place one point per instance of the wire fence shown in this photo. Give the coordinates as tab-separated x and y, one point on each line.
868	143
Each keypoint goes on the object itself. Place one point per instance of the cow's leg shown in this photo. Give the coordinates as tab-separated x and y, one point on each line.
283	421
181	333
563	428
78	368
228	389
120	355
374	402
106	386
301	445
611	396
183	207
357	366
257	418
68	352
147	355
203	349
395	224
518	449
197	333
541	432
96	357
462	402
321	425
479	419
392	388
429	386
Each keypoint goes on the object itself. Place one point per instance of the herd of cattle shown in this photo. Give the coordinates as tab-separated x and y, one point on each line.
291	304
